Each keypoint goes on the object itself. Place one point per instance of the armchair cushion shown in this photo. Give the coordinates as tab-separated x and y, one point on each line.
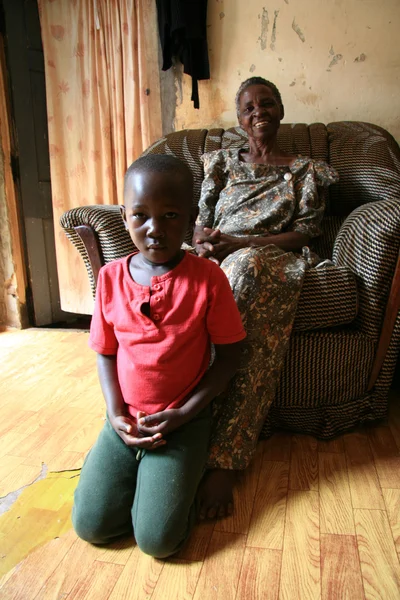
328	298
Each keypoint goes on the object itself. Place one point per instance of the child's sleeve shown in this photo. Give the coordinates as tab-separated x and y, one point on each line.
224	322
102	337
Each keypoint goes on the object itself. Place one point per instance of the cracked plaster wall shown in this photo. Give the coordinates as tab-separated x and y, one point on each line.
333	60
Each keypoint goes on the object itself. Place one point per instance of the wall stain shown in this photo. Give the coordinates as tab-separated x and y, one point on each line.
221	15
297	30
293	83
310	99
169	99
273	35
264	29
252	68
335	60
287	1
211	113
217	107
331	51
360	58
178	73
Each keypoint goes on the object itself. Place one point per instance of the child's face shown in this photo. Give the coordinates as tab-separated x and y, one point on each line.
157	214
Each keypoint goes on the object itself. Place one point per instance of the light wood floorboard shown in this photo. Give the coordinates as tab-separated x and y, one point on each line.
378	557
301	566
340	565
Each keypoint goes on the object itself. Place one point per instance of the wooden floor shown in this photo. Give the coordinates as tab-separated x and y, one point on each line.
312	520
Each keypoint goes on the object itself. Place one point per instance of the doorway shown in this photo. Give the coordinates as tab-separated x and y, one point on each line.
30	156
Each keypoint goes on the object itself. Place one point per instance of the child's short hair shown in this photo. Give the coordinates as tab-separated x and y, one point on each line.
161	163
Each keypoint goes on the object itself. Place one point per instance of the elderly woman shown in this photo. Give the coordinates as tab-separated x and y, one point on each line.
258	207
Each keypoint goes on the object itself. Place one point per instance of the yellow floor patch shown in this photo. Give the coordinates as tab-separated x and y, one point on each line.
41	513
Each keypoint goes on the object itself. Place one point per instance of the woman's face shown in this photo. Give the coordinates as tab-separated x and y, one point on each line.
260	113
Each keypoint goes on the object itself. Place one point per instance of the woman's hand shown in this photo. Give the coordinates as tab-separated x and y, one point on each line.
204	240
129	433
212	244
226	245
160	423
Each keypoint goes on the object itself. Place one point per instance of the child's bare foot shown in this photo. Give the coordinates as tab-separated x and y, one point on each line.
216	493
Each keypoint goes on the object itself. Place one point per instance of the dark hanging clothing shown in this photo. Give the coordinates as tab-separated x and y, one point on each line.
182	25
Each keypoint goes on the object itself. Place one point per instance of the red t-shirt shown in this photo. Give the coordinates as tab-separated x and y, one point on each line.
162	358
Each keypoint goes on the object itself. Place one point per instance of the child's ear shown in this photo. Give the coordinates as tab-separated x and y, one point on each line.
122	210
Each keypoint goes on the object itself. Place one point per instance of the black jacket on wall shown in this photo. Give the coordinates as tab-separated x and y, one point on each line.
182	25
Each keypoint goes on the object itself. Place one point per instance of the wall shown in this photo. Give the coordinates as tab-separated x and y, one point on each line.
331	59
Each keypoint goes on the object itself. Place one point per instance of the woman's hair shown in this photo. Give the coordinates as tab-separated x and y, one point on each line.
256	81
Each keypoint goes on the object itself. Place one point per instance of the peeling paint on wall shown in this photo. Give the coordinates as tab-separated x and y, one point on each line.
337	58
360	58
252	68
297	30
273	36
264	29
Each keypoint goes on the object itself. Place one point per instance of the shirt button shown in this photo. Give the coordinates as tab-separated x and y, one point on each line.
287	176
157	299
157	286
156	317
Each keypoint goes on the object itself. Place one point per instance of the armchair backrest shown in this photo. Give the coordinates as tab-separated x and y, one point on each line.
366	157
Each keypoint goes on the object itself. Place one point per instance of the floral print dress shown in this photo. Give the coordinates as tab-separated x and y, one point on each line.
240	199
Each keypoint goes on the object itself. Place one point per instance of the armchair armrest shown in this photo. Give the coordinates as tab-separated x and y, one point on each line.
368	243
98	232
90	241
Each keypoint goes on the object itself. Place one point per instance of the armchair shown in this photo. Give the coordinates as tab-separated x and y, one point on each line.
346	335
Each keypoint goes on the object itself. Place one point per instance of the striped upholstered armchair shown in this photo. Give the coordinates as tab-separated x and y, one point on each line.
346	335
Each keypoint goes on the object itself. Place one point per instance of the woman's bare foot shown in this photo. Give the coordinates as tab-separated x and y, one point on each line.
215	494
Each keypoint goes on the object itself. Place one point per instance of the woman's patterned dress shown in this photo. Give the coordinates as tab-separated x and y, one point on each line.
242	198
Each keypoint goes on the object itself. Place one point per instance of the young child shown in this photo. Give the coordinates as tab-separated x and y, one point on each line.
156	314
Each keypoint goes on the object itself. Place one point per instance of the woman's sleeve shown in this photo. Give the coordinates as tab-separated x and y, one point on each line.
213	182
310	197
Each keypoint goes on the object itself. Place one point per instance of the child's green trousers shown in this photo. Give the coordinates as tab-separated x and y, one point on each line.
150	493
